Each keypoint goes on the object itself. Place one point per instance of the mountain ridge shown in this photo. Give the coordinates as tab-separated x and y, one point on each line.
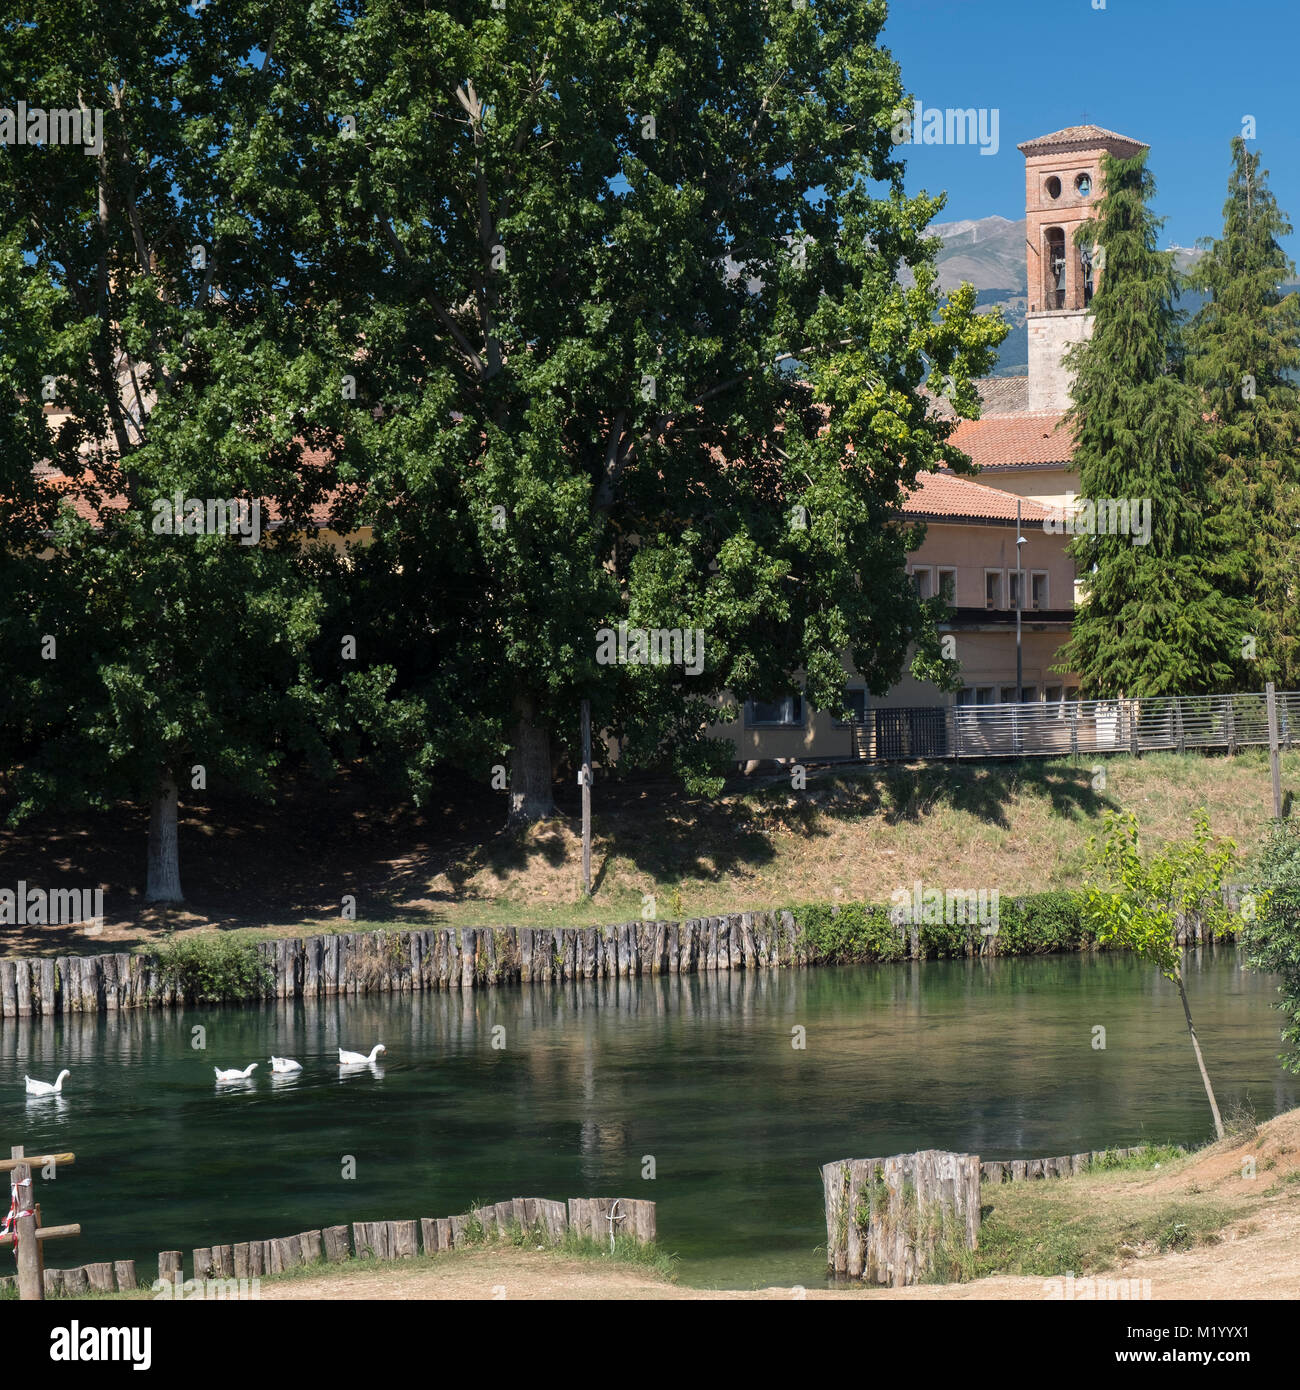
989	253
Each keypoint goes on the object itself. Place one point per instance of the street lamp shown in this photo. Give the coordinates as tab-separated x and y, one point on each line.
1020	603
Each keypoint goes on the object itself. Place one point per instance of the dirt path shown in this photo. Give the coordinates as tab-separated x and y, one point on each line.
1262	1264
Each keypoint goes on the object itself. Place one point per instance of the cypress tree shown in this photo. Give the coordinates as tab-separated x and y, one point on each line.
1243	347
1154	620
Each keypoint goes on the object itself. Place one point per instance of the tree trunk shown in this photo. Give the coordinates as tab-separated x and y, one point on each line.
531	797
163	884
1200	1061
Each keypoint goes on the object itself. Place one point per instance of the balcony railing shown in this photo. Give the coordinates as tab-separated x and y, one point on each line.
1174	723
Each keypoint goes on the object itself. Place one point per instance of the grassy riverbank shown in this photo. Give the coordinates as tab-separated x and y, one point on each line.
854	835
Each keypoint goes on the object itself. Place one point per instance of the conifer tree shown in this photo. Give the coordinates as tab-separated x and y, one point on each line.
1243	347
1154	620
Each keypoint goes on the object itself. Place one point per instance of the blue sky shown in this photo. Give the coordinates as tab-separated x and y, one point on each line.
1177	74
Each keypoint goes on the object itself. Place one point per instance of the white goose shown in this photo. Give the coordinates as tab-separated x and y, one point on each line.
284	1066
46	1088
231	1074
355	1059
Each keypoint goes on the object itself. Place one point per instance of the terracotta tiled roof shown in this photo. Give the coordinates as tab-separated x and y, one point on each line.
74	491
1026	439
945	496
999	395
1078	135
1003	395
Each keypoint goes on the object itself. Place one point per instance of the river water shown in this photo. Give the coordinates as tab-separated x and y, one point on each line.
589	1084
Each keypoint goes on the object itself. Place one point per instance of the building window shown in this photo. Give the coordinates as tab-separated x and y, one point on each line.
921	582
1013	587
965	696
1083	185
1053	187
992	588
1029	694
983	694
1072	692
1008	694
1054	268
948	586
1088	266
1052	694
854	705
1038	589
786	713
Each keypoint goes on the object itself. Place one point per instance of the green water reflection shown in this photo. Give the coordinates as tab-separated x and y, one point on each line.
699	1073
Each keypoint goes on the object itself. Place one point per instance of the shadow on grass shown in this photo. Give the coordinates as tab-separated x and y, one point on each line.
292	864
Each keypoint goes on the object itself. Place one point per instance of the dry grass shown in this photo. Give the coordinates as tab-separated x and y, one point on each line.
853	834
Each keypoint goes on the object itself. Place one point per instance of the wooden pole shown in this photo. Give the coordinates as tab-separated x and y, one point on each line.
31	1277
8	1164
1274	756
56	1232
585	779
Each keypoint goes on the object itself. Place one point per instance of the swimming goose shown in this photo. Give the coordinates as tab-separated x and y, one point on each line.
282	1066
230	1074
355	1059
44	1088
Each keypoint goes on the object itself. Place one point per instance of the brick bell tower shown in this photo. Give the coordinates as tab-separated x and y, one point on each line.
1062	183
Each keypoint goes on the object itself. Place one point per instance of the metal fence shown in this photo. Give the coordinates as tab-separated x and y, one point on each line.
1166	722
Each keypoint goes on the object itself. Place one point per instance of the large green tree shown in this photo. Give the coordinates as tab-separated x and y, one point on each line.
1155	619
152	348
643	316
591	314
1243	350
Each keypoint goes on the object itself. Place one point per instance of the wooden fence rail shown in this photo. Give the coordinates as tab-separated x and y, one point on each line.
413	961
385	961
1066	1166
24	1218
549	1221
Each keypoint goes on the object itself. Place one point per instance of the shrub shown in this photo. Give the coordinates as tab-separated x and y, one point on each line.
940	939
1042	922
215	969
851	933
1272	939
857	933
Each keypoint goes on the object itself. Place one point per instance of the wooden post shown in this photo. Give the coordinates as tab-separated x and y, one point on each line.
31	1275
584	777
335	1240
885	1216
1274	755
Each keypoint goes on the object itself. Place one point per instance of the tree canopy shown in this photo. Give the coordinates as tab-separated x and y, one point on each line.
1243	351
581	315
